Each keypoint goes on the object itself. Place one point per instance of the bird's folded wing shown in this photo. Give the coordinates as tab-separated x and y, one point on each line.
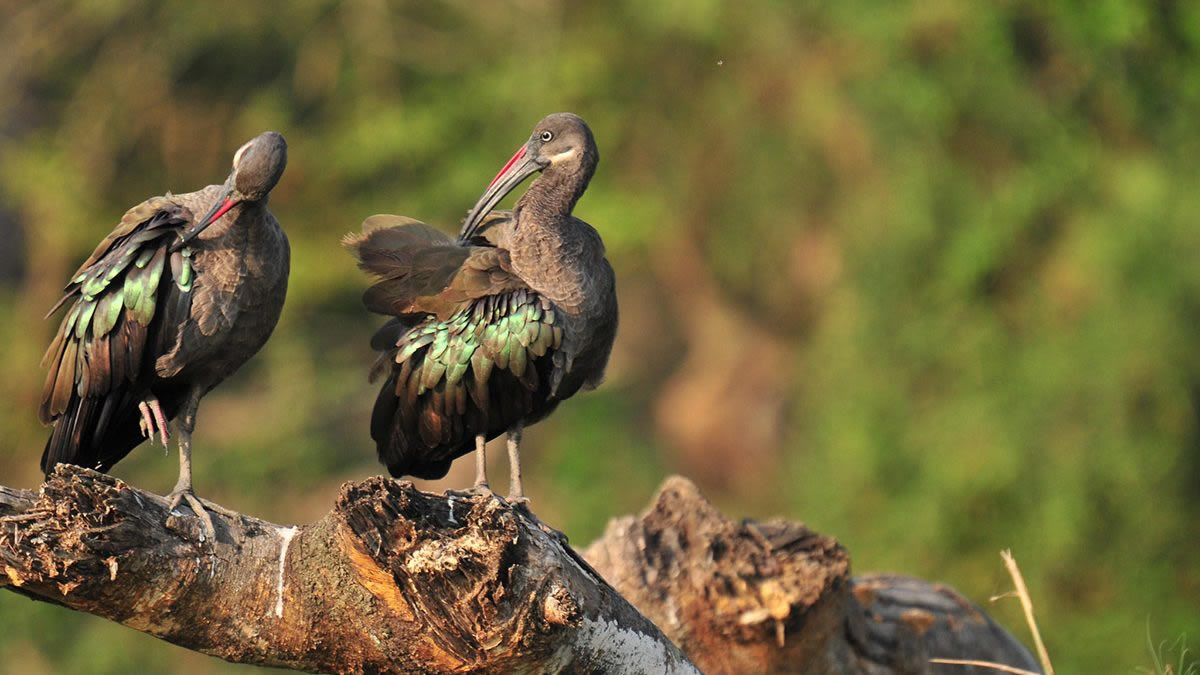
116	299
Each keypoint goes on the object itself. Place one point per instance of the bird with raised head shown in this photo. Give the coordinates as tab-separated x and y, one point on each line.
165	308
490	332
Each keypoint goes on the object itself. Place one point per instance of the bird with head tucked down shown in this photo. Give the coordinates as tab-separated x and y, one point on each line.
166	307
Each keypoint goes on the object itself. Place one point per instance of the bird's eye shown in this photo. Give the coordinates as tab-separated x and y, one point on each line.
546	136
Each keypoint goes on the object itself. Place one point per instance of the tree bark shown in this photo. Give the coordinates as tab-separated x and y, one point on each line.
776	597
391	580
396	580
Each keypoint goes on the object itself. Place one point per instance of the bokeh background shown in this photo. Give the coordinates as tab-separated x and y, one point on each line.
925	275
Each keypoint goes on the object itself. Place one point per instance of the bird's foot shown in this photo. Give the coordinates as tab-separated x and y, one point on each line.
178	496
477	490
518	500
153	422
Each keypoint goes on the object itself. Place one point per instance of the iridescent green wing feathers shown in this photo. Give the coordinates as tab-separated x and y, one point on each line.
453	360
114	298
469	352
478	372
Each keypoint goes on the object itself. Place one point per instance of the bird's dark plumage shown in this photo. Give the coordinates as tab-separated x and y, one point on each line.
493	330
470	352
184	290
101	361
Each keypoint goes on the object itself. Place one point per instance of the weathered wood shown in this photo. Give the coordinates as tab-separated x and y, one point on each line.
774	597
896	624
390	580
394	579
740	597
13	500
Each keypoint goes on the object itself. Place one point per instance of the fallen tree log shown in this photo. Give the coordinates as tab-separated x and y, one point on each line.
396	580
771	597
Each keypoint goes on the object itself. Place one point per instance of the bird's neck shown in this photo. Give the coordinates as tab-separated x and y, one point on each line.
553	194
556	254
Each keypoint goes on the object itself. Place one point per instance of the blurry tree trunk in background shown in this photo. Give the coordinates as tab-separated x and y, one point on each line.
396	579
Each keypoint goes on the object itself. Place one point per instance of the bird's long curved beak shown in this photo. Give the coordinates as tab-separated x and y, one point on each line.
520	167
223	203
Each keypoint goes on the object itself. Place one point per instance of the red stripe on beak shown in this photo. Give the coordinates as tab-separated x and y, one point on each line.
515	158
229	203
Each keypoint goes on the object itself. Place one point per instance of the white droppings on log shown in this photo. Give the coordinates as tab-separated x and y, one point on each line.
285	536
610	647
606	646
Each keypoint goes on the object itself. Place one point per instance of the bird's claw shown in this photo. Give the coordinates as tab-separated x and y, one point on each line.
153	422
178	496
477	490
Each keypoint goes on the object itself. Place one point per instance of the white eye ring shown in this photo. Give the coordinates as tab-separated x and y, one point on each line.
547	136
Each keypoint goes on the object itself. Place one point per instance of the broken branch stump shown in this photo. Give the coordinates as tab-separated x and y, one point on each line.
776	597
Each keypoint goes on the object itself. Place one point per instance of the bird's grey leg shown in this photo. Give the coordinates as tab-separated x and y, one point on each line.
481	481
153	421
183	487
515	492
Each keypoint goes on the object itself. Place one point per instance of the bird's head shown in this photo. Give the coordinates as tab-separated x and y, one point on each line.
559	142
257	167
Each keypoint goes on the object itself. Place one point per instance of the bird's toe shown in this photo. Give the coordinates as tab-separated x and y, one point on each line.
518	500
479	490
198	509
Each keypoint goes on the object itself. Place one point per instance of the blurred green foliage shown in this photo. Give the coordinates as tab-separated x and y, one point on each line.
921	274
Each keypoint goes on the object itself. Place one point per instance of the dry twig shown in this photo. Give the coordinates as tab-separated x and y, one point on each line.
1027	604
984	664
